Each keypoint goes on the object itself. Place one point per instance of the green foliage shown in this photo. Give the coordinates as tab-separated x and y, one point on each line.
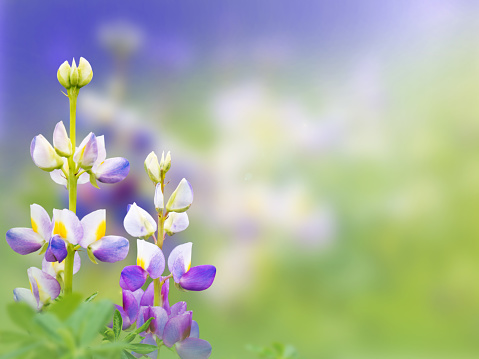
70	328
276	351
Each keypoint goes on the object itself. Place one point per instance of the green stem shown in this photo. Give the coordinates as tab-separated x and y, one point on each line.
69	269
161	233
72	189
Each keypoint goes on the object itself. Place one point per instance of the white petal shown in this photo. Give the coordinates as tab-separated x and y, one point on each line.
87	153
176	222
150	258
61	141
63	74
41	222
54	268
181	199
44	155
94	226
25	295
67	225
138	222
44	286
179	261
159	202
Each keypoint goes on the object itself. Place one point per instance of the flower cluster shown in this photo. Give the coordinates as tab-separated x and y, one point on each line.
61	237
172	326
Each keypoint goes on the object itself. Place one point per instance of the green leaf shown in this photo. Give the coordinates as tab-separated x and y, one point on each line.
126	355
142	348
109	335
144	326
93	180
117	324
91	255
50	326
21	314
8	337
43	249
66	306
17	354
91	297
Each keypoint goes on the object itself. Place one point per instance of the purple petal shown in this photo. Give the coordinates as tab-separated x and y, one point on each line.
110	249
198	278
165	289
57	250
177	329
113	170
160	316
195	329
193	348
179	260
24	240
132	278
130	305
177	309
149	296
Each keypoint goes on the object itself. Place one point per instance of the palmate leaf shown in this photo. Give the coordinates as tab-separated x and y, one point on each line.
66	306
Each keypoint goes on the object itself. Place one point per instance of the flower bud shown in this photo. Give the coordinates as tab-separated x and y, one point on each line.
74	74
181	199
85	72
152	167
44	155
87	153
63	75
61	142
165	163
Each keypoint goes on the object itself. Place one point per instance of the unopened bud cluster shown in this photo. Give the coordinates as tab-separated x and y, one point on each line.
157	170
73	76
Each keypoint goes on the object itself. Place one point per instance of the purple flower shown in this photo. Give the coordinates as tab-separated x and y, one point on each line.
196	278
105	248
150	262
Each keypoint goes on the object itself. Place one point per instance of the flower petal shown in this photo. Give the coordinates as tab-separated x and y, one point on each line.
57	250
138	222
179	260
149	296
41	222
25	295
61	141
113	170
177	309
150	258
165	289
181	199
54	268
85	72
87	153
157	325
44	155
193	348
195	329
67	225
177	329
198	278
130	305
132	278
44	286
159	201
176	222
24	240
111	249
58	177
100	142
152	167
94	227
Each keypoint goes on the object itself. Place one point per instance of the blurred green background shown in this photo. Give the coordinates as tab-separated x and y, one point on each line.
333	147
